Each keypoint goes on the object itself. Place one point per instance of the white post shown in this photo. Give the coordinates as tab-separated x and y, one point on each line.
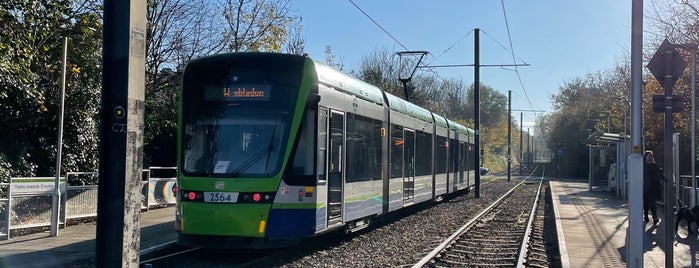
634	234
55	208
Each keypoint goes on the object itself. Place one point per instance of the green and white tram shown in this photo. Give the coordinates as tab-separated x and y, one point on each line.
274	148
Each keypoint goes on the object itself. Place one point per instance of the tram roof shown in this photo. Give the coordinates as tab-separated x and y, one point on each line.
453	125
342	82
408	108
440	121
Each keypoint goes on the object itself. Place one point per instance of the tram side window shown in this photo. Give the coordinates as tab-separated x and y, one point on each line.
454	146
302	167
363	148
423	154
396	164
322	143
441	155
377	149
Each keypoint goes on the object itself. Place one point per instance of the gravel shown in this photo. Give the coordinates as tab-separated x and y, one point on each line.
403	241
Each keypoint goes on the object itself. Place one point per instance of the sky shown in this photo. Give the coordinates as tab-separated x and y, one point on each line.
558	39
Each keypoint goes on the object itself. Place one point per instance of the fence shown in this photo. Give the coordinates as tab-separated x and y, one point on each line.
20	211
685	191
4	214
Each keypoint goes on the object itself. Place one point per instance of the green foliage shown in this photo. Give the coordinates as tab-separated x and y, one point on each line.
583	105
30	76
31	44
161	121
493	105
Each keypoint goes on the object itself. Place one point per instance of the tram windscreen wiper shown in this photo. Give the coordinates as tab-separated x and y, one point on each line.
257	156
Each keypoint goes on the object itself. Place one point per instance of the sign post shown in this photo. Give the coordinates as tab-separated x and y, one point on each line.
667	66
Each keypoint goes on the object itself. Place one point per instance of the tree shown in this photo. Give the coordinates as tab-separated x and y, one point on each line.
256	25
296	43
331	59
177	32
581	107
30	71
493	105
678	21
381	68
180	31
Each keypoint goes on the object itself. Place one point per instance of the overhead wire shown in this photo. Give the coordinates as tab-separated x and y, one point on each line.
452	46
379	25
509	37
502	46
431	70
394	38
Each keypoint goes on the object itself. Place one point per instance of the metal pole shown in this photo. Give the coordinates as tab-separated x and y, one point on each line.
693	192
589	164
529	147
521	152
509	134
634	243
619	190
476	113
56	204
667	165
676	167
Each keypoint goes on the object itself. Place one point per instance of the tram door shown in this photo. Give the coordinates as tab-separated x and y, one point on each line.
409	165
462	165
335	167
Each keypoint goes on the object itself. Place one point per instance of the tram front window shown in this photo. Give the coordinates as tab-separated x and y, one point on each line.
236	119
233	148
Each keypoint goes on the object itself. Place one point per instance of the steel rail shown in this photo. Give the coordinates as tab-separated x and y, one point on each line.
525	241
464	228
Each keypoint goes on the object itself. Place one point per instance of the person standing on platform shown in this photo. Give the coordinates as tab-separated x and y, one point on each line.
611	176
652	177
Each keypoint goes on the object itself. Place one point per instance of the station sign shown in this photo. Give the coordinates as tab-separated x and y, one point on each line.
36	185
667	65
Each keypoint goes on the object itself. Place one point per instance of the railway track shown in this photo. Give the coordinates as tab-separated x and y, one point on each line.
332	250
497	237
182	256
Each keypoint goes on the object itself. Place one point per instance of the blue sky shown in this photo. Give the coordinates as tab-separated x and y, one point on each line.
559	39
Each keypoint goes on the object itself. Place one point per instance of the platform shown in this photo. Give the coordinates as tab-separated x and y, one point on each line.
592	230
75	246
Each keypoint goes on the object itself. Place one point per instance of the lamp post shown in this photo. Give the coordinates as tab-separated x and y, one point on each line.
56	189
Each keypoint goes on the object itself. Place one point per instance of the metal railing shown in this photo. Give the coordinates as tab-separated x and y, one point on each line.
34	210
4	210
685	190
